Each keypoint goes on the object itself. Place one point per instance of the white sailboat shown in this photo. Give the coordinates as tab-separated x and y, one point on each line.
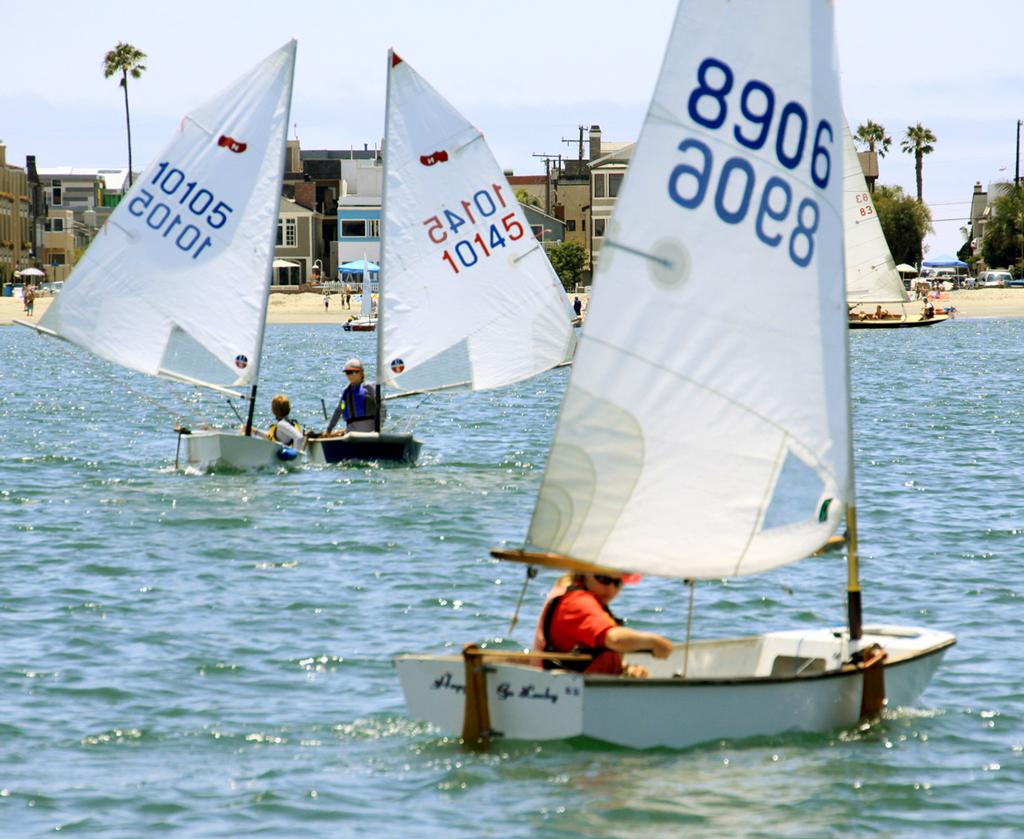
176	284
705	431
366	322
468	298
871	276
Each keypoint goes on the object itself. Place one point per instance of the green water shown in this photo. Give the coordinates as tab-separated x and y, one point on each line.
210	655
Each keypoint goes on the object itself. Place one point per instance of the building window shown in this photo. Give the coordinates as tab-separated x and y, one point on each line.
570	225
57	225
353	227
599	186
373	227
56	259
614	182
58	192
598	228
287	232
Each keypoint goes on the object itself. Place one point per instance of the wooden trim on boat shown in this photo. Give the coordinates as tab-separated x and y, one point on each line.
554	560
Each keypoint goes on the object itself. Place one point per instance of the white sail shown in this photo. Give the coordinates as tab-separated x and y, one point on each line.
366	299
871	275
176	283
705	430
467	294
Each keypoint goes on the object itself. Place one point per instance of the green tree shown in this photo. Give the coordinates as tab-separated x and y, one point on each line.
126	60
1003	244
874	137
525	198
568	259
905	222
918	141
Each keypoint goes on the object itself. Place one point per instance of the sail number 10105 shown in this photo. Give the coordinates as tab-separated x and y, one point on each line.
198	206
475	212
735	181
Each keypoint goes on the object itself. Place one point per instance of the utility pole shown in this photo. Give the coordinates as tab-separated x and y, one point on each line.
1016	175
547	158
580	141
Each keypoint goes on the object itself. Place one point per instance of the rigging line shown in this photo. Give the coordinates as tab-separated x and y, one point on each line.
531	572
120	383
689	625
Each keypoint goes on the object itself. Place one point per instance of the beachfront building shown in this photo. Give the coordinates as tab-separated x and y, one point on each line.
299	242
607	173
359	209
547	229
982	212
90	194
63	240
15	221
344	187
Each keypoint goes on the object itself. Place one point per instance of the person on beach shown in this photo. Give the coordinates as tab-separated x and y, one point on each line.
577	306
29	299
358	403
285	430
576	618
327	302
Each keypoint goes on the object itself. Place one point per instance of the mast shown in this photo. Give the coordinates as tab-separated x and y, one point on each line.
393	60
272	237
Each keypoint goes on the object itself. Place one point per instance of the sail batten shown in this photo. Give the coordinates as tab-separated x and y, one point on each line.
704	431
467	294
176	284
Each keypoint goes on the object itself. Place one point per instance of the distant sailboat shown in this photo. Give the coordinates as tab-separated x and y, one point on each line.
366	322
176	285
706	430
468	298
871	276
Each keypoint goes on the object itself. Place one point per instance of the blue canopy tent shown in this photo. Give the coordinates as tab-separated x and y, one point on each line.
358	266
944	261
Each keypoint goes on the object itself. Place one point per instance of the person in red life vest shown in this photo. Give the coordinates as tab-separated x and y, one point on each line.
576	618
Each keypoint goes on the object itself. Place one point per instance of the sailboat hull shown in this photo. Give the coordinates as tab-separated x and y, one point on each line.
360	325
209	449
896	324
734	689
364	446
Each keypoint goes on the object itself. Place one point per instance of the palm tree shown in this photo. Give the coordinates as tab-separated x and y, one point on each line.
874	136
126	60
918	141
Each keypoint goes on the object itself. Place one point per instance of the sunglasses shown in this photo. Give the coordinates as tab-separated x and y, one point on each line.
352	372
608	581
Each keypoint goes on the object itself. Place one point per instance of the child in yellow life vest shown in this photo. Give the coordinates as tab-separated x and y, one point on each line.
285	431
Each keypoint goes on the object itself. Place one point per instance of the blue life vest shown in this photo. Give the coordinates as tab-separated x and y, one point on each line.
354	402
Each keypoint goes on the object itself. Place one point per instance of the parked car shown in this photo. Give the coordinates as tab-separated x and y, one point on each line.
996	279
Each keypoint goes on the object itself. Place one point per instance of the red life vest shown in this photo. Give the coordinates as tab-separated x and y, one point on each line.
604	660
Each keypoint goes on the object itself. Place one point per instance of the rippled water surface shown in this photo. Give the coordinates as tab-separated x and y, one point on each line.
210	655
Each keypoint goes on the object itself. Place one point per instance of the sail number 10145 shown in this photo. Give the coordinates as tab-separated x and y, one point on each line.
796	144
475	212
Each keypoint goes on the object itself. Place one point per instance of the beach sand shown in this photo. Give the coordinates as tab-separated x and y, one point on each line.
309	308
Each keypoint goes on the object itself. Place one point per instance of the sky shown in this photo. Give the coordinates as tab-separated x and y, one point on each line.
527	73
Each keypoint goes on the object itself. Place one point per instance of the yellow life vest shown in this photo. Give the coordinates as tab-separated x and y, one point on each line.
272	433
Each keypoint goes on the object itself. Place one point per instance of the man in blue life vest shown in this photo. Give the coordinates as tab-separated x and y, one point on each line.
358	403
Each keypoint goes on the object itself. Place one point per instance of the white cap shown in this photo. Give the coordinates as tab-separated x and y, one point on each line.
353	364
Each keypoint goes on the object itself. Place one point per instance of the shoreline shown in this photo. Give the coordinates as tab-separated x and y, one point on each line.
308	308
